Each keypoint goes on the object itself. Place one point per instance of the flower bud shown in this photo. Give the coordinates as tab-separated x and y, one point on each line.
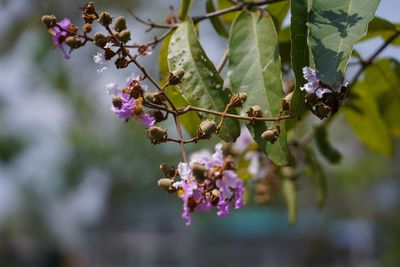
207	128
158	115
165	183
270	135
49	20
121	63
311	99
87	27
286	101
117	102
156	134
105	18
255	111
100	40
120	24
229	163
199	171
176	76
214	196
73	42
168	170
124	35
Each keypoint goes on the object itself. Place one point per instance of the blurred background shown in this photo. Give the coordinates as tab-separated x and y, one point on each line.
78	186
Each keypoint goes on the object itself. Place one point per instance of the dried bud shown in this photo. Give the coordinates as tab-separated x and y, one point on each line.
155	98
255	111
321	110
176	76
87	27
100	40
156	134
171	19
73	42
286	101
117	102
168	170
229	163
124	36
49	20
120	24
270	135
158	115
136	90
207	128
109	53
165	183
311	99
121	63
238	99
199	171
105	18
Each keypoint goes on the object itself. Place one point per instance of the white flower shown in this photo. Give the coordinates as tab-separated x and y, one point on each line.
100	59
108	45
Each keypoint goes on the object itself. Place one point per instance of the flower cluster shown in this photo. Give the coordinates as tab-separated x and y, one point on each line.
207	181
127	102
61	31
321	98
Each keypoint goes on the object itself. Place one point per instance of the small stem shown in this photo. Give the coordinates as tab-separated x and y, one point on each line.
223	61
223	118
151	23
229	115
182	144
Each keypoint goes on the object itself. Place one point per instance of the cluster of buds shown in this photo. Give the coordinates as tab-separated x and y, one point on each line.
207	181
322	98
63	32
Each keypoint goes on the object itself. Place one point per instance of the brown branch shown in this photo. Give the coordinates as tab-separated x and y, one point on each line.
237	7
151	23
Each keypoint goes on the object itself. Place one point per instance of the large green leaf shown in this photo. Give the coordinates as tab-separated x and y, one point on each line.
299	52
318	178
366	121
289	192
335	26
190	120
216	21
278	11
380	27
201	85
384	82
255	68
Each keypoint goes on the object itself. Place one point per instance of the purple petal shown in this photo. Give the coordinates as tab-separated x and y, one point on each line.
146	120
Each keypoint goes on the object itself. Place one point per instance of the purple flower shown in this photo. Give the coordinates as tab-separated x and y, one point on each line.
126	110
146	120
221	187
313	82
244	140
59	35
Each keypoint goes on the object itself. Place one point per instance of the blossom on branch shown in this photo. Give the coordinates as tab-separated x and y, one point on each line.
208	181
60	32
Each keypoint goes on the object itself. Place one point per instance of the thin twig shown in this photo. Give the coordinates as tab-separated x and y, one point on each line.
223	61
151	23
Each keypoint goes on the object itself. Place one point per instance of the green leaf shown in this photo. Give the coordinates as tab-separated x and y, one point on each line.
255	68
289	192
380	27
184	9
278	11
216	21
325	147
190	121
317	176
335	26
299	53
383	79
366	121
229	17
201	85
